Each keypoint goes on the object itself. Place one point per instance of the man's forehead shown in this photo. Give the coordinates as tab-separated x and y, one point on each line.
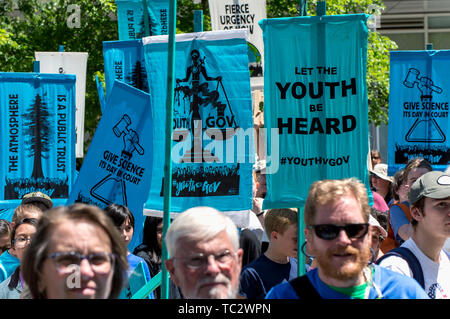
342	206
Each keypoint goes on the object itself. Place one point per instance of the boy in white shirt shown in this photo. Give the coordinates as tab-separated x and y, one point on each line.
430	211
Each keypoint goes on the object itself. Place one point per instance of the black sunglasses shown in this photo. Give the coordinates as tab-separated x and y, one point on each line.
330	231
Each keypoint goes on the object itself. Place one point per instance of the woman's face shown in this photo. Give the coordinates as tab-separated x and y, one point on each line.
126	230
159	234
66	277
22	238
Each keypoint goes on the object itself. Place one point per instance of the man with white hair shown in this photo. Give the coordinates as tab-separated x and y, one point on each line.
205	258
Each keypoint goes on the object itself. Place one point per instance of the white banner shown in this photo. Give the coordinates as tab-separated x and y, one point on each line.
238	14
69	63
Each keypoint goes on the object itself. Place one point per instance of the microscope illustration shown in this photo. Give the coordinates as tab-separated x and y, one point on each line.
112	188
424	84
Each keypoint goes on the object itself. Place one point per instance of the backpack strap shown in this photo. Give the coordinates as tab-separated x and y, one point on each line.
304	288
411	259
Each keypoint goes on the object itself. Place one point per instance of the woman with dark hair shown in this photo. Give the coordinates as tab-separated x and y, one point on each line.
76	253
123	219
150	251
21	236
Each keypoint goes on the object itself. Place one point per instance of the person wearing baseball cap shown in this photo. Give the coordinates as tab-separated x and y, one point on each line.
39	199
429	197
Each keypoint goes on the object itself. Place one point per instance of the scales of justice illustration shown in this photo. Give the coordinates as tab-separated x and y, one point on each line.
196	99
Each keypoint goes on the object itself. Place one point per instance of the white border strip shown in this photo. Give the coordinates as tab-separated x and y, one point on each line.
208	35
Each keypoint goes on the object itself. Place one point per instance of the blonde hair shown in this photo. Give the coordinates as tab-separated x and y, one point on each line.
279	219
22	210
329	191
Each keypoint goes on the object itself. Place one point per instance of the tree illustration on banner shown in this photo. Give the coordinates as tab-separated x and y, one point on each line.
38	131
153	25
138	77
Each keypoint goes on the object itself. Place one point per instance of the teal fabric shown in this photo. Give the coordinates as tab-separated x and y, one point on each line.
8	263
418	108
117	167
130	16
315	96
37	144
212	111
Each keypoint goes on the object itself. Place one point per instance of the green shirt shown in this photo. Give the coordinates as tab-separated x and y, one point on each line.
355	292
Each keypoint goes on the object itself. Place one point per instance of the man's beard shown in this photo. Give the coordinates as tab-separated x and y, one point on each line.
216	292
347	270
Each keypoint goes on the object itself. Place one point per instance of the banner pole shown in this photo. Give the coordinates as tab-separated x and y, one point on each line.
198	20
303	7
36	66
301	269
168	142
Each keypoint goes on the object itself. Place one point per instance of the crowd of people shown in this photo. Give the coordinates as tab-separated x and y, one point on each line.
393	248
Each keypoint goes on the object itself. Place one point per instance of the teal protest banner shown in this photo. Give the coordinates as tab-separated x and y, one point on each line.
131	15
315	97
37	143
117	167
419	94
124	61
212	147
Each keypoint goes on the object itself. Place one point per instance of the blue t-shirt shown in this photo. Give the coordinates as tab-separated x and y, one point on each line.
392	285
8	263
398	219
262	274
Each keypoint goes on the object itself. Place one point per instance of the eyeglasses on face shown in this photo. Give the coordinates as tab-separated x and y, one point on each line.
224	258
101	262
331	231
21	242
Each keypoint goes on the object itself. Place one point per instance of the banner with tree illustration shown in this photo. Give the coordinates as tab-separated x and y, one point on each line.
124	61
130	16
37	112
212	148
419	97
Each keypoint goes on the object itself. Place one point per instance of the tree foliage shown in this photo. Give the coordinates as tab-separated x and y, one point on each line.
44	25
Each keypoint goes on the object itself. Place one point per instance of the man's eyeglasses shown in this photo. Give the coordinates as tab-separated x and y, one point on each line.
224	258
330	231
21	242
100	262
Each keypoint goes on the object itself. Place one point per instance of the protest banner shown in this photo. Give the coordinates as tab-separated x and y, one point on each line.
37	143
124	61
212	147
419	94
130	16
238	14
69	63
315	95
117	166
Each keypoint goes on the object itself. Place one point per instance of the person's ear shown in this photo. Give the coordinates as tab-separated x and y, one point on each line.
171	269
273	235
416	213
240	253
